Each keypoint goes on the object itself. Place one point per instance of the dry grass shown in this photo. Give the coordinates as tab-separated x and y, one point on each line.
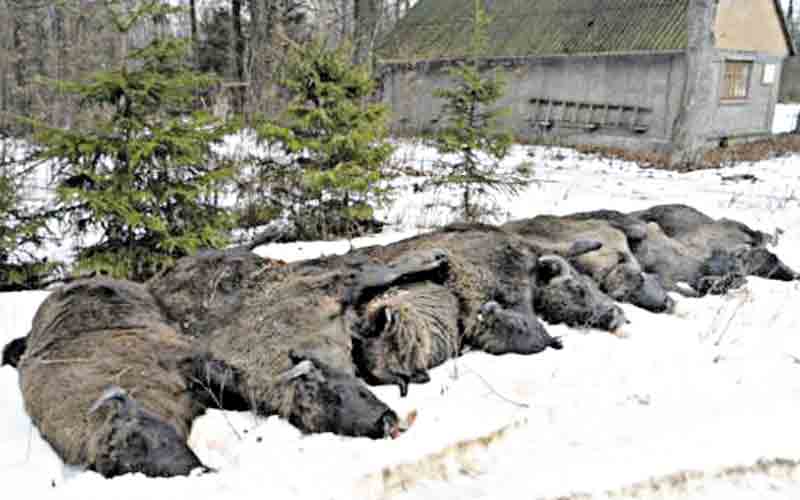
463	458
764	149
687	484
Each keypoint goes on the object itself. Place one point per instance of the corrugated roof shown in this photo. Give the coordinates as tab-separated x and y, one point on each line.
435	29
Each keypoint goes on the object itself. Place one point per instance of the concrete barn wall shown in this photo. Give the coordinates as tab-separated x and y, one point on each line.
751	116
653	81
790	80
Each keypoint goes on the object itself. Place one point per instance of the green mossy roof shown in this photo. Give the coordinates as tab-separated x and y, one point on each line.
436	29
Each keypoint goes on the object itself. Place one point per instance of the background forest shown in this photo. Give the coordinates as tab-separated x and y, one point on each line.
242	41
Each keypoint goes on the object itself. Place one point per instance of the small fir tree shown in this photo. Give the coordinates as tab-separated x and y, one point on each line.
334	145
22	232
139	182
470	135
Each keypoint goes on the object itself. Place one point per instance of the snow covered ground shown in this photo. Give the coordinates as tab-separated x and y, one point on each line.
717	384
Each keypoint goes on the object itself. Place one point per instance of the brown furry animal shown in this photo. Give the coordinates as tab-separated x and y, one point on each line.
612	265
88	336
689	245
488	263
271	320
483	264
275	339
409	329
291	354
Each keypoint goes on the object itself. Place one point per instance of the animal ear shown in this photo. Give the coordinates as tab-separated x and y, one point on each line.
490	307
296	357
303	367
112	393
13	351
550	267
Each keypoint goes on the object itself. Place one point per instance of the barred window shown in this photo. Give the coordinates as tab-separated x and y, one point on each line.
736	80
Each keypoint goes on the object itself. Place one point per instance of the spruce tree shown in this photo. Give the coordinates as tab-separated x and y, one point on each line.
334	144
137	183
22	232
470	134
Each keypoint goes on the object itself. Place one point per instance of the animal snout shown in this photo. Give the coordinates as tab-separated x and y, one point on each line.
669	305
389	424
615	318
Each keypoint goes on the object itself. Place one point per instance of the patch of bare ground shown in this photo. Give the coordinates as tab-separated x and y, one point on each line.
691	484
467	457
724	156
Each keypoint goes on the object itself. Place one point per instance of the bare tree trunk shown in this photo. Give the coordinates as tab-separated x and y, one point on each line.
345	14
238	53
22	104
6	28
365	23
694	122
193	27
257	51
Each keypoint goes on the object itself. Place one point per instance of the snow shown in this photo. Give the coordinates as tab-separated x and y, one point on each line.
716	384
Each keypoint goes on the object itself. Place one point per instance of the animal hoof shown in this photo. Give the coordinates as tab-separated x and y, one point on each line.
403	386
421	377
620	333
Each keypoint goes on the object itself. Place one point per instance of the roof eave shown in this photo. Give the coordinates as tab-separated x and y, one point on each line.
785	28
389	62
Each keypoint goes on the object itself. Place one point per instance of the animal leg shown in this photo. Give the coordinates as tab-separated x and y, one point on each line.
13	351
420	377
373	279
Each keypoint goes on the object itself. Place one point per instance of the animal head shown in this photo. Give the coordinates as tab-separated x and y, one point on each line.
404	332
326	399
626	282
758	261
651	295
562	295
509	331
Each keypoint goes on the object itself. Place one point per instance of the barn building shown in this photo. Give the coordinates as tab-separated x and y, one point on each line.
619	73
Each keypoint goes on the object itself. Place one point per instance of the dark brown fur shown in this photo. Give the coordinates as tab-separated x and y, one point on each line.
613	266
255	322
204	292
409	329
292	318
710	255
87	336
484	264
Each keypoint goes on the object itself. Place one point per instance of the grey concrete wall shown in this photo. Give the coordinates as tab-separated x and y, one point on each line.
790	80
751	116
654	81
696	109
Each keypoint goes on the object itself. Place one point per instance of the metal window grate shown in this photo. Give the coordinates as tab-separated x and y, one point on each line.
736	80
